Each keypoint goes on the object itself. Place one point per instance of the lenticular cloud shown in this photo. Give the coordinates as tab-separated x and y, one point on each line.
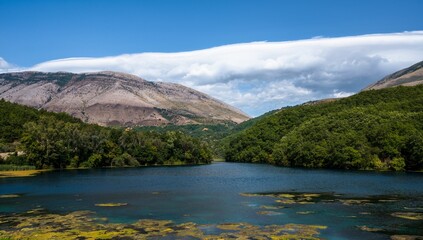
261	76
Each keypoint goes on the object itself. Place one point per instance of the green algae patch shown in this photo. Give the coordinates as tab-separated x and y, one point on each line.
416	216
369	229
39	224
285	195
305	212
236	226
270	207
9	196
251	194
355	201
269	213
21	173
406	237
285	201
304	198
414	208
298	231
110	204
289	198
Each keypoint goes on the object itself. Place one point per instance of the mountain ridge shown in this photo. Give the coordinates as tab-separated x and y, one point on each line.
409	76
114	98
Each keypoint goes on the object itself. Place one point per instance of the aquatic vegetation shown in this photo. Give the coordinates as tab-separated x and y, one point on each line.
388	200
21	173
285	195
409	215
305	212
251	194
354	201
406	237
285	201
294	200
413	208
289	198
39	224
110	204
293	197
270	207
369	229
236	226
269	213
9	196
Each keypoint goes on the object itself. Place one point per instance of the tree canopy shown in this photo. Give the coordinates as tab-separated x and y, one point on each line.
377	129
57	140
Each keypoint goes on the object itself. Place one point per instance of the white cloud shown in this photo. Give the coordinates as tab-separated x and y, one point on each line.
4	65
261	76
7	67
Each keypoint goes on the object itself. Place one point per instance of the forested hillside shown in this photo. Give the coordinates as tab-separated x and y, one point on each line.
216	136
57	140
377	129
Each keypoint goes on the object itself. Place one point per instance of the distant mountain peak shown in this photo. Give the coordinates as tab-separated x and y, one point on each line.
114	98
410	76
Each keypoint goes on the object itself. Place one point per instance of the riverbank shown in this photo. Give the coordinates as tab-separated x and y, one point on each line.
21	173
34	172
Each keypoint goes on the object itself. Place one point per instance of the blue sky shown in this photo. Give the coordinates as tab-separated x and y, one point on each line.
256	55
33	31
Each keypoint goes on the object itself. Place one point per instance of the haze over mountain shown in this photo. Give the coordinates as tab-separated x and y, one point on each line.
410	76
112	98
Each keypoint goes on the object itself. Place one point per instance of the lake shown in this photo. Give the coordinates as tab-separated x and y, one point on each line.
352	204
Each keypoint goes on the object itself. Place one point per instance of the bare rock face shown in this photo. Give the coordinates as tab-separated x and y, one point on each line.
410	76
111	98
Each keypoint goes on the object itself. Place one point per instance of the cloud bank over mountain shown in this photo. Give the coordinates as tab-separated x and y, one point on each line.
261	76
4	66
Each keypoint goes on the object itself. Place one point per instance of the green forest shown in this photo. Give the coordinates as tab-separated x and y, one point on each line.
374	130
57	140
216	135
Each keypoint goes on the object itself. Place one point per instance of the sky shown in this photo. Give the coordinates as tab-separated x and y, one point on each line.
256	55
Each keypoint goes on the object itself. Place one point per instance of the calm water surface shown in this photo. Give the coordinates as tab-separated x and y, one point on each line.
211	194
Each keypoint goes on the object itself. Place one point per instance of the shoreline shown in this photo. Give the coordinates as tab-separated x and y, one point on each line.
34	172
21	173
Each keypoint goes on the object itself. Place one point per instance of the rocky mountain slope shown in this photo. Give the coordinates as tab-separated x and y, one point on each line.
410	76
111	98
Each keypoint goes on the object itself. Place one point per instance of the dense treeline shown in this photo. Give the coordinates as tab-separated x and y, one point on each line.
210	133
58	140
378	129
217	136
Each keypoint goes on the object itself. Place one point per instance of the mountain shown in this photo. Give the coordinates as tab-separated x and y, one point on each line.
112	98
410	76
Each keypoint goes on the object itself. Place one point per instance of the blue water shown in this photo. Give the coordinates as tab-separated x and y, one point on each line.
211	194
